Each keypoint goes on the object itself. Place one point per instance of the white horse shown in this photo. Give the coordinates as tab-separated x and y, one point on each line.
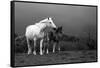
34	32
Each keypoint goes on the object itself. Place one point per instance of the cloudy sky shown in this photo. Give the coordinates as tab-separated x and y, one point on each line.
74	19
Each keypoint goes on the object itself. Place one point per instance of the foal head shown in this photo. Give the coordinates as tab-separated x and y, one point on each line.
58	30
56	34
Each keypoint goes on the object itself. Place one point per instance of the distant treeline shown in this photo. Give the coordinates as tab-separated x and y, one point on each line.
67	43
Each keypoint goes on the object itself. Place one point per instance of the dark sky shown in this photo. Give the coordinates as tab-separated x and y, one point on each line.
74	19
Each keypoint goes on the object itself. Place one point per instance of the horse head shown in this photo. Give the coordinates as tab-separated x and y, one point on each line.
49	22
58	29
57	32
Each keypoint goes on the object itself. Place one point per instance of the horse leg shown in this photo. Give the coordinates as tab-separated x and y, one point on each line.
29	47
54	47
47	49
59	48
44	47
34	52
41	53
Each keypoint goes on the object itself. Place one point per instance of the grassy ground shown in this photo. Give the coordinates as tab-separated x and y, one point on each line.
23	59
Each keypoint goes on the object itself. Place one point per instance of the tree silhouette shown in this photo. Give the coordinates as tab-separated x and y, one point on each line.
90	32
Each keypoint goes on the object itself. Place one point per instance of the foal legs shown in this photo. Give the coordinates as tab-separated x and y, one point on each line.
47	49
54	47
59	48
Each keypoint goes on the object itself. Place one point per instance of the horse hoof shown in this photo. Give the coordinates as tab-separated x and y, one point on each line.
47	53
29	53
41	53
34	53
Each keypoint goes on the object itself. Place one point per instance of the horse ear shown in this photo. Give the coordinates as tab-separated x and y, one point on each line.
48	18
60	27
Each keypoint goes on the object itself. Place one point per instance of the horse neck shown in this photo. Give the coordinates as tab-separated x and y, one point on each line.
42	26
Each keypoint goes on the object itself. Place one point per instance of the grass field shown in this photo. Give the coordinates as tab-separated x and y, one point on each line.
22	59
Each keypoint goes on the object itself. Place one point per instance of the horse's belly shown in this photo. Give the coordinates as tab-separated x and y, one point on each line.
40	35
32	31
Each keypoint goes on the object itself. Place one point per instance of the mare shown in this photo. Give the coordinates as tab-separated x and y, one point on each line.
35	32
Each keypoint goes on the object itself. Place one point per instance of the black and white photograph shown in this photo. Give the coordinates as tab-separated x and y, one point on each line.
52	33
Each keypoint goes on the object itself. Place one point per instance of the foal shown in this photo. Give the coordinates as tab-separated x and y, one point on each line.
54	36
